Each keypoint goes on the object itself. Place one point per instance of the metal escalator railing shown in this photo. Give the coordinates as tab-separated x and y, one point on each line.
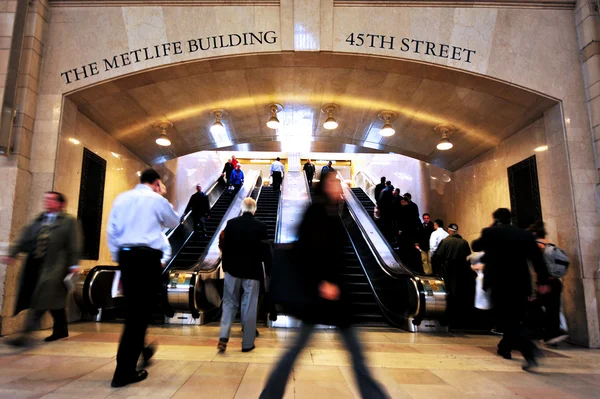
195	290
367	182
425	296
93	287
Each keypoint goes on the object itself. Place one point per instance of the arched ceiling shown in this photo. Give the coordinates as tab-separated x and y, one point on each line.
484	111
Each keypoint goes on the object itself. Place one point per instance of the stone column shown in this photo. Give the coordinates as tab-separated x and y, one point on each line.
587	21
15	198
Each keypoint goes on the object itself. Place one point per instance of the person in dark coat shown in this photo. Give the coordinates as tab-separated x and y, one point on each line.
408	226
413	208
327	168
450	262
424	234
506	276
200	208
309	169
227	169
385	204
52	244
379	188
245	249
319	249
396	216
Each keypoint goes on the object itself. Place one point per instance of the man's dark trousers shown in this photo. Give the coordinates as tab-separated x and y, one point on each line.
277	178
510	316
140	275
199	222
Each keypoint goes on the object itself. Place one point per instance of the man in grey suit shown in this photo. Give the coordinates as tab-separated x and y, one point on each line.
52	245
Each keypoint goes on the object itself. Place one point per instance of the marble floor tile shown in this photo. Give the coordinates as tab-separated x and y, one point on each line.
322	389
254	381
213	380
545	393
472	382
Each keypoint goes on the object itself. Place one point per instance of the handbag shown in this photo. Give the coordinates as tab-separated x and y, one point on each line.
483	299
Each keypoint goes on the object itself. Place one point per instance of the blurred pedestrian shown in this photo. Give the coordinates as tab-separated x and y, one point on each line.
227	169
319	249
327	168
508	249
246	249
135	240
52	243
379	188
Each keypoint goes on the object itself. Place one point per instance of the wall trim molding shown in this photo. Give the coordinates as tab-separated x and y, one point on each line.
154	3
543	4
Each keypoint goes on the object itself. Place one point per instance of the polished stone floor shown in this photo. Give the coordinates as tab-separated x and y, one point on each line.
187	365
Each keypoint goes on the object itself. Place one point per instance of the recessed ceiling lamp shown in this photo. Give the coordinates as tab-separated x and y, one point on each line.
330	122
541	148
217	127
273	122
387	116
163	139
444	143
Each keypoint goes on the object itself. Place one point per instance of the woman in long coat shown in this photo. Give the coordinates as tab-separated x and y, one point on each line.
319	250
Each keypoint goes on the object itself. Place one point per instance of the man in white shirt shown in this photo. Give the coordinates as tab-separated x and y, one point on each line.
136	240
277	174
437	236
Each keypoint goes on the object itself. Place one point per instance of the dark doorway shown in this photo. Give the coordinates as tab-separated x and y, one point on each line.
91	199
524	190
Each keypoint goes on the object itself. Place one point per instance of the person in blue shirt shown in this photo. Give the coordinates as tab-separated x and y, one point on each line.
237	178
277	174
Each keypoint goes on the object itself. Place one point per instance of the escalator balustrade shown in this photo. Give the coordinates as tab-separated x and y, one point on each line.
266	209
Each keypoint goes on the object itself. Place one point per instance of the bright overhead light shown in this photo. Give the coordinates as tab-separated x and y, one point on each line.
444	143
217	127
163	140
541	148
114	154
386	116
138	173
74	141
330	122
273	122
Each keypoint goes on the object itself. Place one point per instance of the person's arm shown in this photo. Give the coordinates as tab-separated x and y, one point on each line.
539	265
113	231
267	254
188	207
169	217
242	177
166	250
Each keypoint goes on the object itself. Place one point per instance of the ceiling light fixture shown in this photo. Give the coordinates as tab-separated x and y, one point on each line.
163	140
387	116
541	148
74	141
444	143
217	127
273	122
330	122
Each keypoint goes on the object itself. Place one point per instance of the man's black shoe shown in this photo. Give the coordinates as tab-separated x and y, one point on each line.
147	354
19	342
530	364
56	336
119	382
505	354
249	349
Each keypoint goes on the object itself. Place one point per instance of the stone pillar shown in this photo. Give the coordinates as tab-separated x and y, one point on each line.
15	197
587	21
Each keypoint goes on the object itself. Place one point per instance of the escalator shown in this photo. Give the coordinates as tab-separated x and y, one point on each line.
266	209
365	200
195	246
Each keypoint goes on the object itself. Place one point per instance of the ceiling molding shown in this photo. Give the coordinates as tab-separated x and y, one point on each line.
541	4
154	3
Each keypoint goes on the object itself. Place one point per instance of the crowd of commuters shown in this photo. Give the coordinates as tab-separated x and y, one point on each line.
137	243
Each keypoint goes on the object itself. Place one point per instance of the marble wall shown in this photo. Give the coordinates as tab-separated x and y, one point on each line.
429	186
122	166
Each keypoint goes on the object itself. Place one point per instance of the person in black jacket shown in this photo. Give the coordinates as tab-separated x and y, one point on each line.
246	262
506	275
379	188
309	169
386	211
424	234
319	250
413	208
227	169
200	208
450	262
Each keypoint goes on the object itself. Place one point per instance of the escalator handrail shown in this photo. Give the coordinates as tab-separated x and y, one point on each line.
278	229
208	262
211	187
392	267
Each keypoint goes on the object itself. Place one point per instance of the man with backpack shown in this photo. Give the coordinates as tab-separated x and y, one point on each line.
557	263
